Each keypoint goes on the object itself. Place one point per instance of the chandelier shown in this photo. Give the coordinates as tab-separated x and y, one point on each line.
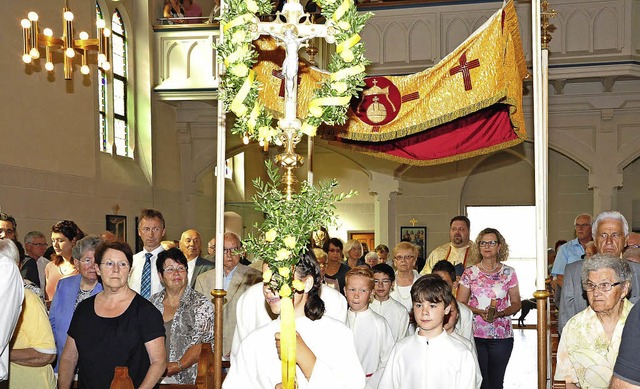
33	41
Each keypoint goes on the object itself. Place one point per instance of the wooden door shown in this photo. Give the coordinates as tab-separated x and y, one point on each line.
364	237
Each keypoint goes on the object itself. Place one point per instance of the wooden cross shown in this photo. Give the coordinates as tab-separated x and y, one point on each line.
464	68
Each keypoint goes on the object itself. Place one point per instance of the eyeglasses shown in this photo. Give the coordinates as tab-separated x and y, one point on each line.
603	287
383	282
404	257
146	230
231	250
490	243
633	246
38	244
583	225
119	265
613	235
87	261
173	269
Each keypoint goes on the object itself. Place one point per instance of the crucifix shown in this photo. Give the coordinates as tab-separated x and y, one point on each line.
292	29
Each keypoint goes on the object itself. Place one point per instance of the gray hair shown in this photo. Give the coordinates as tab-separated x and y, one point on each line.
353	244
28	238
607	261
9	250
575	221
371	254
610	215
90	242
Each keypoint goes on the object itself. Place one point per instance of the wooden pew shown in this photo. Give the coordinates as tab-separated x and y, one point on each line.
204	378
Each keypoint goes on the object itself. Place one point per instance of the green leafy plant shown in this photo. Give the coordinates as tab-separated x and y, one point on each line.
286	231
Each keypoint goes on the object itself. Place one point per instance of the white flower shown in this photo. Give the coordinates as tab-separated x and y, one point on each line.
347	55
343	25
315	111
284	271
308	129
238	37
252	6
290	242
282	254
271	235
240	70
339	87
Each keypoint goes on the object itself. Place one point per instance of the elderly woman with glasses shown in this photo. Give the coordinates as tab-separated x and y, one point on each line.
116	327
73	290
404	255
187	316
490	289
590	340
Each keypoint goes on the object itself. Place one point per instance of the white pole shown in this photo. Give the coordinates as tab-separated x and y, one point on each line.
540	145
220	170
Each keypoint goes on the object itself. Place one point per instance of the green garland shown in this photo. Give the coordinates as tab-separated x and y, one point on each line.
286	230
239	87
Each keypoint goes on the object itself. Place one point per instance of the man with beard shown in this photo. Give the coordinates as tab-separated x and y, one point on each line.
460	251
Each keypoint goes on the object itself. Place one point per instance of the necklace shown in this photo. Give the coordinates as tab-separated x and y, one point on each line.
487	270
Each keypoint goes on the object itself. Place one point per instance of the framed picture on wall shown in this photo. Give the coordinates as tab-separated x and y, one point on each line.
118	225
417	236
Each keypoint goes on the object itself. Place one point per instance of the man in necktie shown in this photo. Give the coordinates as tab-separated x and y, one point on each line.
143	279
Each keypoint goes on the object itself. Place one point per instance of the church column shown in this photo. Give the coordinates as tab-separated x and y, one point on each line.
604	177
382	186
186	172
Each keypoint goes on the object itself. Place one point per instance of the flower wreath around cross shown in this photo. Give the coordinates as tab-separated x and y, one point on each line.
239	88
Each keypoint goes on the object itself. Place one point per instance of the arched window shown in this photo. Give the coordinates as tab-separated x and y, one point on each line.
120	115
102	98
113	112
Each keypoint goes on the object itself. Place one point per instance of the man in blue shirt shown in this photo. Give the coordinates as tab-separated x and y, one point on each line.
574	249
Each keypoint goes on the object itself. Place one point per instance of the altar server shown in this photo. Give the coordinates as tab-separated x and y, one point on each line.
319	363
430	358
393	312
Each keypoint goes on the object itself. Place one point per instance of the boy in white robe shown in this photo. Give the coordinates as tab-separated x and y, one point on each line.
371	332
450	323
392	311
464	324
430	358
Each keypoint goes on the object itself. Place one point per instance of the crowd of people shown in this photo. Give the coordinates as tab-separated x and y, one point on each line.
182	12
364	319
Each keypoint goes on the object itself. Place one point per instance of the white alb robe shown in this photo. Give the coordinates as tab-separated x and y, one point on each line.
464	326
420	363
374	341
253	312
257	364
395	314
471	346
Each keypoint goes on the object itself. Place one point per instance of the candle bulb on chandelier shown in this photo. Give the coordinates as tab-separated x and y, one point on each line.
33	30
26	58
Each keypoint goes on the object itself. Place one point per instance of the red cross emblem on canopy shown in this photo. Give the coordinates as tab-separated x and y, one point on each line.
464	68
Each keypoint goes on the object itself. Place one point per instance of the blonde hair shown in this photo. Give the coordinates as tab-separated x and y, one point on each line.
361	271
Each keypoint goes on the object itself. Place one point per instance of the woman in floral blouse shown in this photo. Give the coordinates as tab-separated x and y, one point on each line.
187	315
490	290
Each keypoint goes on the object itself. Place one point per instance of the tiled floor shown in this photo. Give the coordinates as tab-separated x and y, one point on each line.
522	372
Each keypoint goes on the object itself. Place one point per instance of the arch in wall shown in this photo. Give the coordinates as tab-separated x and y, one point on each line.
486	182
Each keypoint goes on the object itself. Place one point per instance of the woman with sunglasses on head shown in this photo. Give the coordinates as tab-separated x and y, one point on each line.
490	289
187	315
64	236
116	327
